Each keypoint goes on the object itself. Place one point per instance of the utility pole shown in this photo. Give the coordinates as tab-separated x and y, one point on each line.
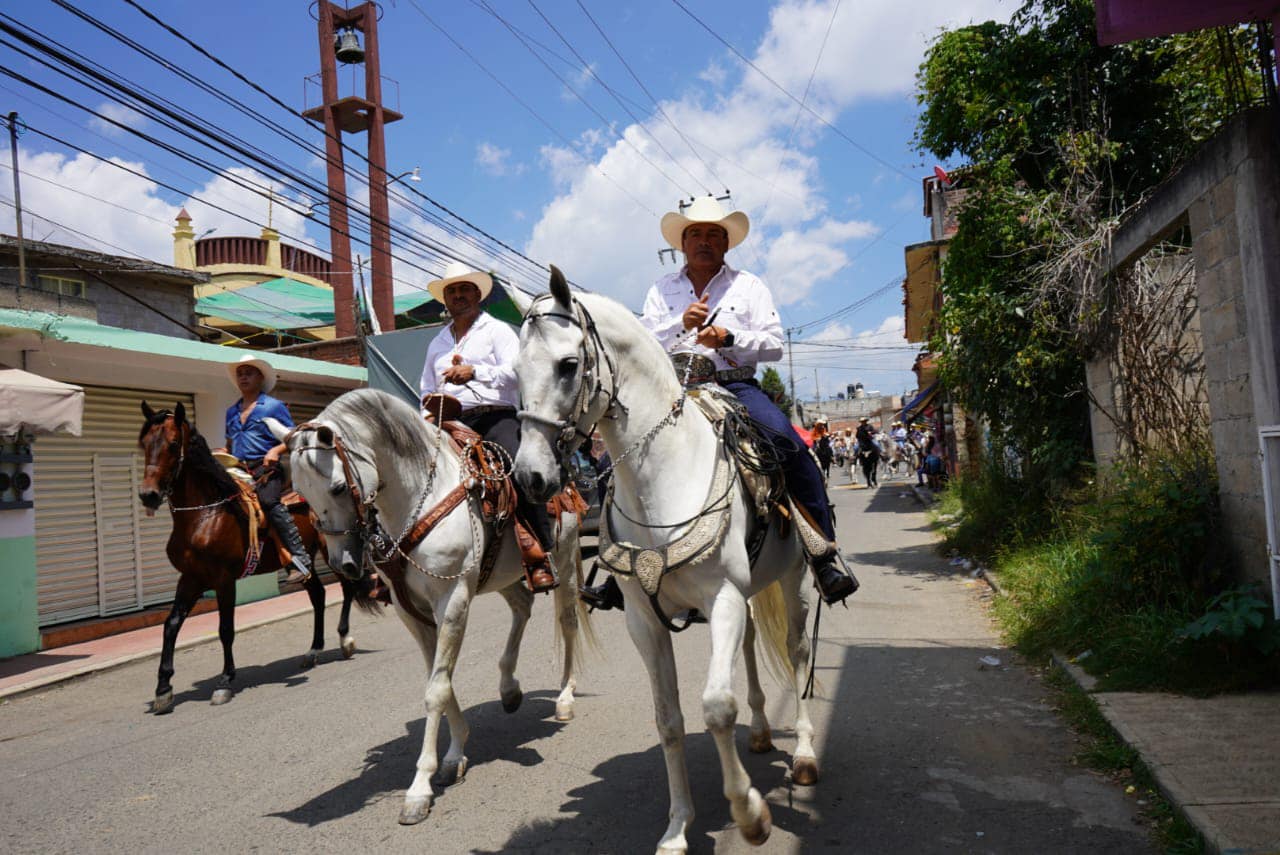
791	372
17	199
817	393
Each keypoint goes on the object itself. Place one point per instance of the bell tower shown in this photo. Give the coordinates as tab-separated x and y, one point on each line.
340	29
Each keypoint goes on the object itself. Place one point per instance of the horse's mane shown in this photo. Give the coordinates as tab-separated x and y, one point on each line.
199	458
635	337
379	416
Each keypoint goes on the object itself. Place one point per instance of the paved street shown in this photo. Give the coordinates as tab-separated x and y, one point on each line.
922	748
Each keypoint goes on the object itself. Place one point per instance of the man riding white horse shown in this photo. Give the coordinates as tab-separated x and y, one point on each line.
473	360
680	310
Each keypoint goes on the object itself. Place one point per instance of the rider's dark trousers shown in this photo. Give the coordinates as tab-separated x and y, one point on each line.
502	427
269	483
804	481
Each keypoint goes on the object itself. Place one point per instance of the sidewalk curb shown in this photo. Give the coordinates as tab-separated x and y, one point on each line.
128	658
1215	838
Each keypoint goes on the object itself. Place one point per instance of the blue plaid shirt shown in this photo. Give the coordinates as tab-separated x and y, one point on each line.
252	440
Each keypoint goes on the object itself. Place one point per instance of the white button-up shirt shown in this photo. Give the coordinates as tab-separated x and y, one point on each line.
740	303
490	347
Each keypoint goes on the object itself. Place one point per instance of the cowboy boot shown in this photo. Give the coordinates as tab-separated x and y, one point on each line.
537	564
282	522
602	597
834	583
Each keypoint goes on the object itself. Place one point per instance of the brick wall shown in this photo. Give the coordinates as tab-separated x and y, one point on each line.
344	351
1225	331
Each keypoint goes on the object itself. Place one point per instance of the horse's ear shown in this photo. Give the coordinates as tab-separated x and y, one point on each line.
560	288
277	428
147	412
324	433
179	414
522	301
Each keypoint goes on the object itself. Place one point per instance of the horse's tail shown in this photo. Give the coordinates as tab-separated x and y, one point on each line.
586	629
769	611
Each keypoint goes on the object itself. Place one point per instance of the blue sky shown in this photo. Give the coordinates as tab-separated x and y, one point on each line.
578	186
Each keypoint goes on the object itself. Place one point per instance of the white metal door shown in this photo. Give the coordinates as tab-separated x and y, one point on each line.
1269	439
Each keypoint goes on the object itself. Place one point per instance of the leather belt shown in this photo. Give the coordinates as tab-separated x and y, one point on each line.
486	409
736	375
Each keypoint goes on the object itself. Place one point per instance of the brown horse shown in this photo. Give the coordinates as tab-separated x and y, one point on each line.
210	543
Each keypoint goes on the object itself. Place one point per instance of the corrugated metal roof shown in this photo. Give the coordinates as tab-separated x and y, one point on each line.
81	331
285	304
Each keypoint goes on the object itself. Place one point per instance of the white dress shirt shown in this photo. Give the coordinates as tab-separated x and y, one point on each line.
741	304
490	347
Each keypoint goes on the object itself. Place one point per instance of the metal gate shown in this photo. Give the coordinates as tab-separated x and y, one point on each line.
1269	440
96	553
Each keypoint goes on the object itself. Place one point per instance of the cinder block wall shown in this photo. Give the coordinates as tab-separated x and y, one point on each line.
117	310
1215	234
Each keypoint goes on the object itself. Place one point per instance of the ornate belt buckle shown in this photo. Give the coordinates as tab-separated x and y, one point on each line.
693	369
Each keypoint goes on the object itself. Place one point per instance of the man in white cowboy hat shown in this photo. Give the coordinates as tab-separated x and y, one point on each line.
473	360
249	439
728	315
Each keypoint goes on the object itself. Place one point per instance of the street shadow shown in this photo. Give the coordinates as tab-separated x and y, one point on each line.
939	751
33	661
389	768
892	499
626	809
920	560
287	671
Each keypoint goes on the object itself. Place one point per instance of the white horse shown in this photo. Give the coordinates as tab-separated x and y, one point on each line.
369	450
585	362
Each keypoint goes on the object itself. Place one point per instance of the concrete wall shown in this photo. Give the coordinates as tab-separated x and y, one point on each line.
1229	194
117	310
19	631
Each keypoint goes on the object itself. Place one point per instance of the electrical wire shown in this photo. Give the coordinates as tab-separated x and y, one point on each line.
776	85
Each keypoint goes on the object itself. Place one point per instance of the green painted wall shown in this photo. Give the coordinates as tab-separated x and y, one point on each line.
256	588
19	629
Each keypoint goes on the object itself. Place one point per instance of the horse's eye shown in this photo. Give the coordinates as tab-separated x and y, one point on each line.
173	445
568	367
337	489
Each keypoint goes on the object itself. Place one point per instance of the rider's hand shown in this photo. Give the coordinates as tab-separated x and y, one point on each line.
459	374
271	458
712	337
696	314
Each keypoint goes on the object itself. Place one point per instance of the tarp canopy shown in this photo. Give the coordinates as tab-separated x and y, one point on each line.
284	304
33	404
919	402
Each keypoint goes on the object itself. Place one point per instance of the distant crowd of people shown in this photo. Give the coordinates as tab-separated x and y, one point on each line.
903	448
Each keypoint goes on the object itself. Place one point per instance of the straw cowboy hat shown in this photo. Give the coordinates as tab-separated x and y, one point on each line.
706	209
268	373
456	271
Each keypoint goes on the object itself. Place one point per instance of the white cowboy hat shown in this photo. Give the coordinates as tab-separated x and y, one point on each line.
456	271
268	373
706	209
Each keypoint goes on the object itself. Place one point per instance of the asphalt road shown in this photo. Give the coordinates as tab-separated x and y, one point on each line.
923	749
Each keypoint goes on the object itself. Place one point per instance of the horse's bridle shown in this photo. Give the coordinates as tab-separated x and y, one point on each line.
367	526
589	381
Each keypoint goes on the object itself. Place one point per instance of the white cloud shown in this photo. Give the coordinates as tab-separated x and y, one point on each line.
496	160
121	113
606	237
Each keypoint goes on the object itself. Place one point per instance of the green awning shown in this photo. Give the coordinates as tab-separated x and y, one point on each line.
283	304
82	331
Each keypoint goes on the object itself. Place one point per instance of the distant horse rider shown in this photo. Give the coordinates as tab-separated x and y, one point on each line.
822	446
746	332
251	441
473	360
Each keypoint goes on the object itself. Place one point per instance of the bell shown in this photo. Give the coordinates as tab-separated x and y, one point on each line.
346	46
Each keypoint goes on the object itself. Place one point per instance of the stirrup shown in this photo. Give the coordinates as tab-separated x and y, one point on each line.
603	597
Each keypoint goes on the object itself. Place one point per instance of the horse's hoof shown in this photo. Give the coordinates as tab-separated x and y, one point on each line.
760	743
348	647
758	832
564	712
308	660
162	704
511	701
804	771
415	810
221	696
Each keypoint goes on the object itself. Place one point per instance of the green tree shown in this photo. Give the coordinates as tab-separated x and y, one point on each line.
771	385
1033	105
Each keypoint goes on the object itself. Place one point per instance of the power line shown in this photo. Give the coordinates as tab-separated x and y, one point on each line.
530	109
280	103
645	89
776	85
607	124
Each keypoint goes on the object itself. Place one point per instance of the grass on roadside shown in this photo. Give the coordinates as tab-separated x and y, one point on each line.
1118	577
1104	751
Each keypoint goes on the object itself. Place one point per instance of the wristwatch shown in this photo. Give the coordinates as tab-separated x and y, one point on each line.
727	341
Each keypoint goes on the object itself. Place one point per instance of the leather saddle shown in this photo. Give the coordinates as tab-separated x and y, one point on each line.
260	526
498	492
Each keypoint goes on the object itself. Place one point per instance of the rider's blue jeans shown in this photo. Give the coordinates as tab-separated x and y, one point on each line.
804	481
